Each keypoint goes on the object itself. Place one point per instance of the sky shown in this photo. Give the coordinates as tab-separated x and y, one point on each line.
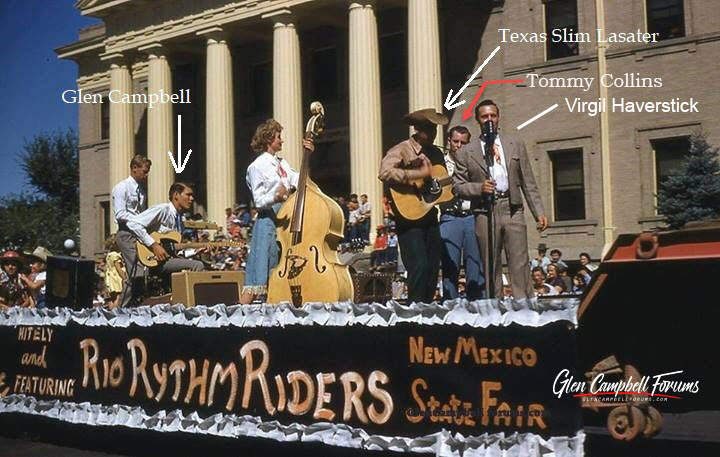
33	78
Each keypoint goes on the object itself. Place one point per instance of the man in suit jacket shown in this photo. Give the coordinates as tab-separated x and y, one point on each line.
511	176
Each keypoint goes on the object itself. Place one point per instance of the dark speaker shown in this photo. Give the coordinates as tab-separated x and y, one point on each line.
372	287
70	282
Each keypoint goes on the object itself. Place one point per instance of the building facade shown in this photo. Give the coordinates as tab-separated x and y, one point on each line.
370	62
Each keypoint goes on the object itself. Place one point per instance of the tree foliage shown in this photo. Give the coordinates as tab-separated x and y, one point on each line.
51	215
51	164
693	193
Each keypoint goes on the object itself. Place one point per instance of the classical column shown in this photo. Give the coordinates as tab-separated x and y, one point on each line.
219	128
424	82
365	117
159	125
122	137
287	92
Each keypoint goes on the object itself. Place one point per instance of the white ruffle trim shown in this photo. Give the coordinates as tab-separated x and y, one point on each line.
480	313
443	444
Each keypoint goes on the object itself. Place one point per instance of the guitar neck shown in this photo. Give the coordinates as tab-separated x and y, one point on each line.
210	244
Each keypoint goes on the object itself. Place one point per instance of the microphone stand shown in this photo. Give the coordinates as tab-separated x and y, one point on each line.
488	132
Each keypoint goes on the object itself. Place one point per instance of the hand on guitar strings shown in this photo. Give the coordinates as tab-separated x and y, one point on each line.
159	252
281	194
425	166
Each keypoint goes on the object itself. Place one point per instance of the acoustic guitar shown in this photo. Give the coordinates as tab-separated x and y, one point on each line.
414	200
170	241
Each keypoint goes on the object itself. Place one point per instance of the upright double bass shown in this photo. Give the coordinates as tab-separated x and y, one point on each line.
309	229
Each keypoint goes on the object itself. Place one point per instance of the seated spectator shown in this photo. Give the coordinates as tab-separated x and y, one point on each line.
554	279
563	274
13	288
36	280
586	262
579	284
539	285
556	258
541	260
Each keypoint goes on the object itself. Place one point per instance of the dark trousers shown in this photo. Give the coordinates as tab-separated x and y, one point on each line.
420	248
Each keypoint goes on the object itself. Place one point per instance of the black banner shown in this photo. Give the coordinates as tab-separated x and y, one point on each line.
403	380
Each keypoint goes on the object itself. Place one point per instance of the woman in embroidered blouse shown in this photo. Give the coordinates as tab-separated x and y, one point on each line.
270	179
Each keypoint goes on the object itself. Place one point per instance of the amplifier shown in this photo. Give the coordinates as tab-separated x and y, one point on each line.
192	288
70	282
372	287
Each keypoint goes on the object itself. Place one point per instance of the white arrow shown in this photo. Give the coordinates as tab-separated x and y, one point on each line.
179	169
449	101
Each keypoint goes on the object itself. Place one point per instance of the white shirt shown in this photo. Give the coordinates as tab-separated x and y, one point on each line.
128	199
365	208
264	176
160	218
499	171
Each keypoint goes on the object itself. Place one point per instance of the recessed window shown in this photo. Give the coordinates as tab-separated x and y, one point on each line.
568	184
105	220
105	119
666	18
669	155
324	74
261	88
561	25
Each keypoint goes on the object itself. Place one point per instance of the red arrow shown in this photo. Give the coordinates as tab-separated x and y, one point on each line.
467	112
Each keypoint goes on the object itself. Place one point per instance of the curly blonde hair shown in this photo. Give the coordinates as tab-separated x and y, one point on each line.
264	135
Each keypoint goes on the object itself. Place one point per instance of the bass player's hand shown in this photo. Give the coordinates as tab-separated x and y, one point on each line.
159	252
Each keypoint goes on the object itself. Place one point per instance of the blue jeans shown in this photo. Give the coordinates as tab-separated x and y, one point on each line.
458	235
263	255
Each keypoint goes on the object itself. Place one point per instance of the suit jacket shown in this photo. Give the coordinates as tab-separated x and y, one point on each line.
471	170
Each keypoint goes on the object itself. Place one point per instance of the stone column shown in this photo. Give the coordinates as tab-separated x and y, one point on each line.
159	125
122	138
424	77
287	91
365	117
219	127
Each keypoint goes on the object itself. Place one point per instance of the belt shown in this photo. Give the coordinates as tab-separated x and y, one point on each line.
266	213
505	194
457	213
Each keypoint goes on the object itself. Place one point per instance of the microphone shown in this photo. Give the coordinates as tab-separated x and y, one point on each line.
489	132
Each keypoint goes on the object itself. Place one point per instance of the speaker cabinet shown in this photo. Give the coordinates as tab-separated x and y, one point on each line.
372	287
192	288
70	282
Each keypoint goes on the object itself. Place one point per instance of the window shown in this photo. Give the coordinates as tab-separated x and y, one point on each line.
669	155
666	17
261	88
105	119
561	19
393	61
324	74
105	220
568	184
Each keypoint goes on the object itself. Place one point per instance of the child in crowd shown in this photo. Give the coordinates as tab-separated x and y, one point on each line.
115	274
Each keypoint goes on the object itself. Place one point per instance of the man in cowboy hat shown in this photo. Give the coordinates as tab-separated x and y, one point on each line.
13	291
36	280
420	242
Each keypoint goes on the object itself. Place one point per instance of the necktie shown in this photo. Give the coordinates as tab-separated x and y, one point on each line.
280	170
178	223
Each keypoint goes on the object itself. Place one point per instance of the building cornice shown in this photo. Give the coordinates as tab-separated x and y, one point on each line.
73	50
194	23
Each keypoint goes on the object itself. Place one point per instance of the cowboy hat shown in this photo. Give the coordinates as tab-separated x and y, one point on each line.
425	116
40	253
11	256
